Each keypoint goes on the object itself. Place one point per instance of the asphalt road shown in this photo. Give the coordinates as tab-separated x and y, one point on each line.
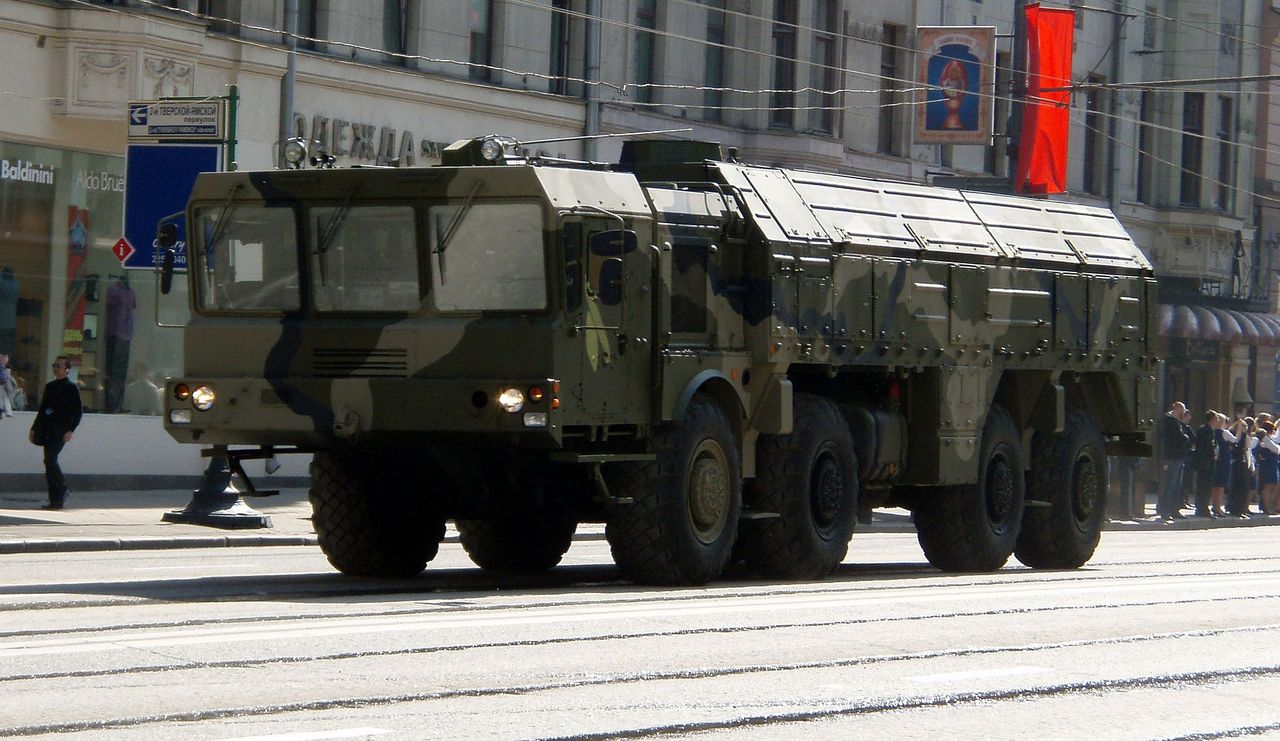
1164	635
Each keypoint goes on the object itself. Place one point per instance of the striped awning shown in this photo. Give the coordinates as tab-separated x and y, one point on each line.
1210	323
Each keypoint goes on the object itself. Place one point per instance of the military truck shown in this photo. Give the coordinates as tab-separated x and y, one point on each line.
724	363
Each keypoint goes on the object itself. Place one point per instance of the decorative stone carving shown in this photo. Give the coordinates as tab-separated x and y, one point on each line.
102	79
167	77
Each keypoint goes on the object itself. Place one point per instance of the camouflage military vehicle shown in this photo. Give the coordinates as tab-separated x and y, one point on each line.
723	363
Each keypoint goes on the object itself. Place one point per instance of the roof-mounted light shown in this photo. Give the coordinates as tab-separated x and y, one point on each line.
492	148
295	152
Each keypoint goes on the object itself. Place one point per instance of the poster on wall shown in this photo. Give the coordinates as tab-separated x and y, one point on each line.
954	73
78	283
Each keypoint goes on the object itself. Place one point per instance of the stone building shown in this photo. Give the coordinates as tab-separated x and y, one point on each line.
823	84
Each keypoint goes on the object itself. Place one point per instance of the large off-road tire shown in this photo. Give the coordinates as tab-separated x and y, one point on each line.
975	527
519	546
1069	475
810	479
681	524
367	522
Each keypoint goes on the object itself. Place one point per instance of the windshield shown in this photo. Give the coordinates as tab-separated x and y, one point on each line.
364	258
248	259
487	257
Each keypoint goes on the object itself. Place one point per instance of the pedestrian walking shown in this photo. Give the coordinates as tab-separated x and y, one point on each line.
1175	442
57	417
1204	461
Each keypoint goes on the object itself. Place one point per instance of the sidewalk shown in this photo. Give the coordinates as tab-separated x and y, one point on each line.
130	520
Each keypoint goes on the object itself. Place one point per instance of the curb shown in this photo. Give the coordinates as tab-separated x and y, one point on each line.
68	545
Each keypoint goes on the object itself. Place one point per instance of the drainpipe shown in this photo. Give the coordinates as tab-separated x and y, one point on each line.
590	90
286	82
1018	90
1113	126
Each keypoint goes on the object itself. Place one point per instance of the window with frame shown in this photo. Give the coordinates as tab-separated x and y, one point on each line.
713	62
1192	148
394	29
559	83
1094	180
223	15
995	159
689	286
247	259
823	68
646	47
1225	192
1146	141
890	70
487	257
782	99
480	26
364	259
308	23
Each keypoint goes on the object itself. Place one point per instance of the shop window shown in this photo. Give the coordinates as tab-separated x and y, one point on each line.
63	291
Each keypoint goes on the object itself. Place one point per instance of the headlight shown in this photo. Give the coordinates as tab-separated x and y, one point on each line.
511	400
535	419
202	398
491	149
295	152
180	416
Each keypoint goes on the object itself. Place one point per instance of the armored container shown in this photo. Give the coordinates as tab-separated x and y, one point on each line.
715	359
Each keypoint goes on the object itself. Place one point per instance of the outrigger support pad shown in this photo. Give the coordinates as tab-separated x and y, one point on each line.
217	502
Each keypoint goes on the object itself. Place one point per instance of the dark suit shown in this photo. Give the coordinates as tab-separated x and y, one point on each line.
58	413
1205	458
1175	442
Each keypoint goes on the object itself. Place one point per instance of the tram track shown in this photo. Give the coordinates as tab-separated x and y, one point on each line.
250	589
1020	694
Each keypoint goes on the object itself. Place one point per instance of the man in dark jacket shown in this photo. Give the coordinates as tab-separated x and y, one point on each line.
57	417
1205	458
1175	441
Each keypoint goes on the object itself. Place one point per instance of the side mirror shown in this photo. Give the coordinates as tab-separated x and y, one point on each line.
167	259
167	235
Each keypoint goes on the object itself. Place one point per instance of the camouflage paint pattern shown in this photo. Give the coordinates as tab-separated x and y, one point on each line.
743	282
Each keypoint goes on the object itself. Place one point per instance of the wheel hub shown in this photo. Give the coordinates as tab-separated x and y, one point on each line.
1000	493
1084	492
708	492
826	491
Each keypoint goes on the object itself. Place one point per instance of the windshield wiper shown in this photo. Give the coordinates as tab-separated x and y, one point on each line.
331	226
330	231
224	218
443	240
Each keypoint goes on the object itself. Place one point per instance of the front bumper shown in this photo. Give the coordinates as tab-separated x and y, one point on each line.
321	411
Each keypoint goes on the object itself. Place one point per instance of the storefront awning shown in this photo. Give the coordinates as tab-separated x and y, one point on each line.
1183	321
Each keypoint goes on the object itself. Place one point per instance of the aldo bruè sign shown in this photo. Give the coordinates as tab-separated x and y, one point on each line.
954	74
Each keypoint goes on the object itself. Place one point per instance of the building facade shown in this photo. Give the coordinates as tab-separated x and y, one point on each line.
821	84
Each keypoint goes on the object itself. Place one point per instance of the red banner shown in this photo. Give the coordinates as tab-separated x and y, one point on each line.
1042	149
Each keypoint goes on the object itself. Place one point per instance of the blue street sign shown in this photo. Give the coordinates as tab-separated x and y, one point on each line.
158	181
